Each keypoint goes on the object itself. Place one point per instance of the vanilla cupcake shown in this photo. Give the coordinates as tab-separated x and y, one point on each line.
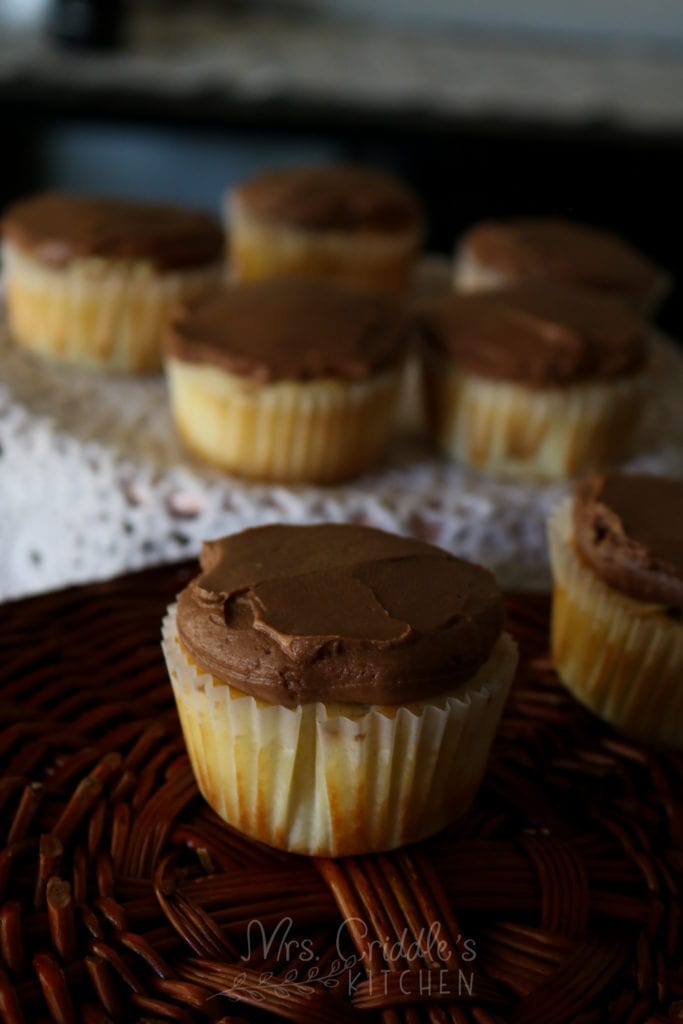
617	623
499	254
93	281
353	225
284	380
338	687
543	382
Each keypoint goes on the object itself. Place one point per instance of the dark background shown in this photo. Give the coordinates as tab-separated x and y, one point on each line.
464	169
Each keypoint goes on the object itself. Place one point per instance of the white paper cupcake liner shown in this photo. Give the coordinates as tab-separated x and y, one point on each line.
620	657
513	430
260	249
320	431
108	314
334	780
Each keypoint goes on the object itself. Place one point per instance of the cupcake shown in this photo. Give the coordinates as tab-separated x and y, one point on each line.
284	380
356	226
616	549
499	254
92	281
338	687
542	382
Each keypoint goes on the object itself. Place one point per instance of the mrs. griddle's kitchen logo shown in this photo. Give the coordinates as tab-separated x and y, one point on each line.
418	966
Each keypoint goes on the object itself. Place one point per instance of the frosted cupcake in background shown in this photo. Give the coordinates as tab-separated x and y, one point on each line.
503	253
353	225
542	382
616	550
287	380
338	687
93	281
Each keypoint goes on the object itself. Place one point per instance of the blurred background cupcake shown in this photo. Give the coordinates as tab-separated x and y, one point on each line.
352	225
289	381
616	549
500	254
93	281
539	381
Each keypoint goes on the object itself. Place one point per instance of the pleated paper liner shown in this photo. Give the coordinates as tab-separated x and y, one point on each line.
339	779
260	250
321	431
124	898
513	430
622	658
104	314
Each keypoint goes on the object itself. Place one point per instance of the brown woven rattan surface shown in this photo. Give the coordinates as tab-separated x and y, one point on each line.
124	898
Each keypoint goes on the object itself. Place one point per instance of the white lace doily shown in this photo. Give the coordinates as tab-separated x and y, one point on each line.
93	483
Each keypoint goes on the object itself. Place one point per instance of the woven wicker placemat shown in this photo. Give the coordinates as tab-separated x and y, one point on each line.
124	898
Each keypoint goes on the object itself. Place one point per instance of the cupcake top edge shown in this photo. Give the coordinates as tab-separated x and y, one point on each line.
331	197
554	249
291	330
540	335
629	528
338	613
58	229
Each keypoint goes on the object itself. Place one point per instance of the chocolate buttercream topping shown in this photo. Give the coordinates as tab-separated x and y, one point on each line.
541	335
333	197
290	330
559	250
296	614
629	528
57	229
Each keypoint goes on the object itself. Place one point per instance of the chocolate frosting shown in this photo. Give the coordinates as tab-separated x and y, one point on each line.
559	250
540	335
58	229
629	528
296	614
290	330
333	197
